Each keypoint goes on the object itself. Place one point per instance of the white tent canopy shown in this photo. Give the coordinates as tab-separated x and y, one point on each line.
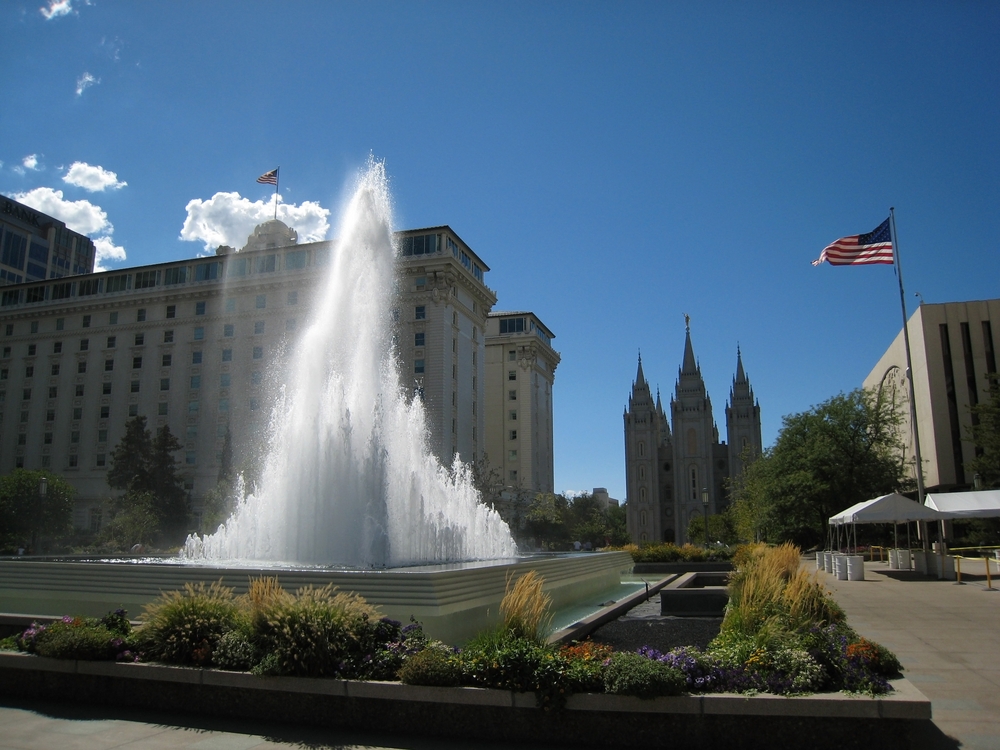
982	504
892	508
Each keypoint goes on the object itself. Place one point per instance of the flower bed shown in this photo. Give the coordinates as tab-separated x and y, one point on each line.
782	635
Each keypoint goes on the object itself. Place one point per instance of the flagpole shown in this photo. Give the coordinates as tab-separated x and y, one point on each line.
276	175
909	366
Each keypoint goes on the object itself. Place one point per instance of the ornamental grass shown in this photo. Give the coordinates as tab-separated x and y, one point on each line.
524	608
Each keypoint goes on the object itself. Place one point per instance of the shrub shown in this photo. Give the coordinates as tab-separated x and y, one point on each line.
634	674
235	651
9	643
317	633
185	627
80	638
432	666
501	659
525	609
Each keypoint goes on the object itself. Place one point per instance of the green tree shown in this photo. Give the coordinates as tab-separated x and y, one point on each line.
133	520
131	457
143	464
839	453
26	516
546	519
985	434
720	529
617	525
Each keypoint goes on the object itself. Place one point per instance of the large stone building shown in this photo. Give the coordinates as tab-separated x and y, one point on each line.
520	371
674	467
952	348
34	247
200	345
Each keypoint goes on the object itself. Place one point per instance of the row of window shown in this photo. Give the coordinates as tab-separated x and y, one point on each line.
170	312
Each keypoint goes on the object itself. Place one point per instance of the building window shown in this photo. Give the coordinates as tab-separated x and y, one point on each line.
418	367
512	415
136	363
258	352
167	360
418	339
228	330
224	380
105	412
81	367
642	449
109	365
140	339
84	344
512	395
512	435
47	438
111	342
227	355
168	337
293	298
223	404
258	327
105	389
290	324
511	374
74	436
140	315
192	407
102	436
133	410
57	347
189	458
113	319
512	455
199	333
195	382
261	302
60	324
50	415
79	390
420	312
196	358
77	413
230	305
86	321
161	409
32	348
512	474
26	395
134	388
73	461
55	369
164	384
256	377
9	330
199	308
171	311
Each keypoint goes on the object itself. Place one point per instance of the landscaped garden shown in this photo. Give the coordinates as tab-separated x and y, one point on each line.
781	634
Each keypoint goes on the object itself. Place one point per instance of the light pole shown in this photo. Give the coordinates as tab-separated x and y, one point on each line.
704	506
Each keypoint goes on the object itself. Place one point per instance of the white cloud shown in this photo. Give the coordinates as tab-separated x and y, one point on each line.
84	82
28	162
107	250
229	218
57	8
80	216
92	178
570	494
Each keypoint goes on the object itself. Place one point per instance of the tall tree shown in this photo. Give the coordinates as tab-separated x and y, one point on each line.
839	453
985	434
27	516
130	458
171	498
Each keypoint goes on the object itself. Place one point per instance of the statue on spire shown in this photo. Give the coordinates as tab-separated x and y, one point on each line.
687	322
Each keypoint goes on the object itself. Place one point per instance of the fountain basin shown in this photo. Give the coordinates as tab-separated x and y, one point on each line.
453	601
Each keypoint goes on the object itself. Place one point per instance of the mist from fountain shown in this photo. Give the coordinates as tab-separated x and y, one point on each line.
348	479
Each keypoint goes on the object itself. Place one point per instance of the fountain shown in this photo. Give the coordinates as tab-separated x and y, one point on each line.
350	494
349	480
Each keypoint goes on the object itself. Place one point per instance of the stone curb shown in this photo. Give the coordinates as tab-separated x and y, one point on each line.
905	702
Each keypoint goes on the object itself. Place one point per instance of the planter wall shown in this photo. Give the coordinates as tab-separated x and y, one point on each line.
732	721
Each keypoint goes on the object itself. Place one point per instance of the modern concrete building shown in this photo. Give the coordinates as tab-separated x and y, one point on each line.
953	348
675	474
201	345
34	247
520	372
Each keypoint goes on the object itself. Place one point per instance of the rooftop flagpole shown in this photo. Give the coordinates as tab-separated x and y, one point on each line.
271	178
909	367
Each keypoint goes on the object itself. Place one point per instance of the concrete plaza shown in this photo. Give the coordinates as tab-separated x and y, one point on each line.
945	635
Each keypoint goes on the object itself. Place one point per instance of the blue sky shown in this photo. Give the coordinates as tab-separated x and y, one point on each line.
617	165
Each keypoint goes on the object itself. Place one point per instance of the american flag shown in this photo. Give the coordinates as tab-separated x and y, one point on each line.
860	249
269	178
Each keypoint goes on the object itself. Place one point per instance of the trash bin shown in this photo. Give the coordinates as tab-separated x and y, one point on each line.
840	566
855	568
819	561
828	562
893	560
903	559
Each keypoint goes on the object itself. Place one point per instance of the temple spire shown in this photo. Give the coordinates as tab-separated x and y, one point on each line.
639	377
690	366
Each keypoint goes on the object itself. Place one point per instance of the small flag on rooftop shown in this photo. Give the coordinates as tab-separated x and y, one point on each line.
269	178
860	249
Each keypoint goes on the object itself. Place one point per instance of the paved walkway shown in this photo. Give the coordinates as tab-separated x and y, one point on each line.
946	637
